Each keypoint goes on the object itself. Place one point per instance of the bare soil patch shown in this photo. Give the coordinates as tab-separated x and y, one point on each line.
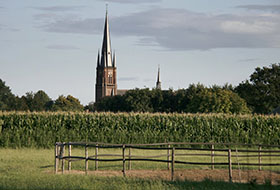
248	176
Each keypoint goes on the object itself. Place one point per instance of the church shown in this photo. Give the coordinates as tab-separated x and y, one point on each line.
106	70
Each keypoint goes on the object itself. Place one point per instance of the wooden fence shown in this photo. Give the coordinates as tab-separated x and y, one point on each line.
171	155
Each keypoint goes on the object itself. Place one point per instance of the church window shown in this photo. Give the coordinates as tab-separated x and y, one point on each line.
110	78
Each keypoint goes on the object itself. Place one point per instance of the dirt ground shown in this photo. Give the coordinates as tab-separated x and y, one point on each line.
254	176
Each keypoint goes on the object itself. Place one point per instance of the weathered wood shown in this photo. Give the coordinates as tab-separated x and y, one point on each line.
260	159
212	156
90	144
172	163
86	159
60	156
69	154
229	165
96	157
123	153
129	156
168	156
56	161
63	160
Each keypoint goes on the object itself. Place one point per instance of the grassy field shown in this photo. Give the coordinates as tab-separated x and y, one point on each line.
28	169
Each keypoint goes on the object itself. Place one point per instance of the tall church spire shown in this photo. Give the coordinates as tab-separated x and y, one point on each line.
158	84
106	71
106	57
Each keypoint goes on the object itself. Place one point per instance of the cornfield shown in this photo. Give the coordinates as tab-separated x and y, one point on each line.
24	129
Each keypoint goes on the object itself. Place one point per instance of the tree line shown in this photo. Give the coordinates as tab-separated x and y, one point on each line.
260	94
38	101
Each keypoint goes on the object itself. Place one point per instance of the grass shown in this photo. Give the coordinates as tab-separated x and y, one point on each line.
32	169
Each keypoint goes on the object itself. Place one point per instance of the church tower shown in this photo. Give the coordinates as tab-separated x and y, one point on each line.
158	84
106	71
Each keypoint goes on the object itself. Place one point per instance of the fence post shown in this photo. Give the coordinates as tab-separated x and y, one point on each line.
56	161
172	163
123	154
86	159
129	162
62	155
260	159
69	159
229	165
96	156
212	156
168	155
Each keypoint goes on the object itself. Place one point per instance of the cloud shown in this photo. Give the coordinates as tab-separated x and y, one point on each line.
132	1
128	79
59	8
14	29
7	28
62	47
272	8
69	25
180	29
248	60
255	27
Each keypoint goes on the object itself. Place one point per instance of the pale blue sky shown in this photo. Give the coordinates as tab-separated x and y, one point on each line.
52	45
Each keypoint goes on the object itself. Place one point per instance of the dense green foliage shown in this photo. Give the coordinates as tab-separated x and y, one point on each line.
68	103
195	99
6	97
262	92
38	101
44	129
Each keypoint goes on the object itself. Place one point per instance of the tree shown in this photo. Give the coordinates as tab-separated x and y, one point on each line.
20	104
138	100
157	100
262	91
68	103
90	107
214	100
195	99
7	99
41	101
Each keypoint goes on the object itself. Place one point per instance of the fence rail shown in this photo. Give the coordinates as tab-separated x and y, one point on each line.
171	156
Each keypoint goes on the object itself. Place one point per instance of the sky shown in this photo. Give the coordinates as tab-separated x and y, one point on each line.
52	45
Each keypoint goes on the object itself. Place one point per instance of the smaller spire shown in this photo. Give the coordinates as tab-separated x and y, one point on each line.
158	84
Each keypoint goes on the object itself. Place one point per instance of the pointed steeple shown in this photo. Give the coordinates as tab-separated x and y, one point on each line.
158	84
114	59
106	57
98	58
